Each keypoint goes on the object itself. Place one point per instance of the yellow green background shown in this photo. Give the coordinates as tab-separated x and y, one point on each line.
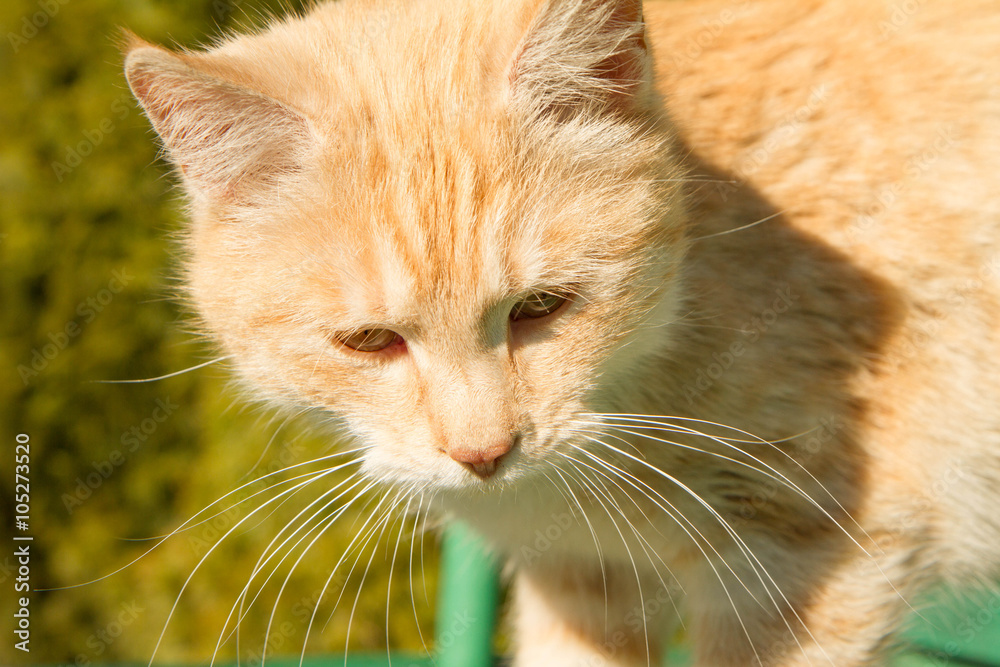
87	213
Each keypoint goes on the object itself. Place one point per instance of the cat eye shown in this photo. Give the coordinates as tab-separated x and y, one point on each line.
537	305
370	340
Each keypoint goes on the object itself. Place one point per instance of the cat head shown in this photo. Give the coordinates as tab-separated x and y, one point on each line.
456	227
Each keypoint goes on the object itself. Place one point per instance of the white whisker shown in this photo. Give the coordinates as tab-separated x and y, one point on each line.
388	587
741	228
728	442
163	377
187	581
708	560
189	523
384	522
635	569
413	601
593	535
752	558
358	535
270	551
784	480
647	548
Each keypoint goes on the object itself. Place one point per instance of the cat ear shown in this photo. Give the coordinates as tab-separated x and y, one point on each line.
229	142
582	55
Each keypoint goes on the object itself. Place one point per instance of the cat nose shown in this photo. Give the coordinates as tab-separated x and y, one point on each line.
483	461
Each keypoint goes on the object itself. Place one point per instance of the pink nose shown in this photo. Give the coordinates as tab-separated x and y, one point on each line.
483	461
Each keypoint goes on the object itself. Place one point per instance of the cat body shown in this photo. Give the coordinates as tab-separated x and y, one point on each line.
690	309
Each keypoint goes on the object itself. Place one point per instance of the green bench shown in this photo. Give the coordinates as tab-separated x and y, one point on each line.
953	634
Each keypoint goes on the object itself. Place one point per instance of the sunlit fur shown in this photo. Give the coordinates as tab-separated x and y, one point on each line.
770	405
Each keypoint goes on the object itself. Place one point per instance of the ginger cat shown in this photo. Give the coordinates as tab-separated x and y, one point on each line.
710	286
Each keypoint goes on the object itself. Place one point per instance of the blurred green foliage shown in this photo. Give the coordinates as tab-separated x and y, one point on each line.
86	215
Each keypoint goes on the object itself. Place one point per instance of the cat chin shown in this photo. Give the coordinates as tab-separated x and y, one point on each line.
458	483
450	481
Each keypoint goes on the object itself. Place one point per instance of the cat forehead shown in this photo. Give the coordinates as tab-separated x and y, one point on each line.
426	184
378	58
436	242
459	218
408	260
